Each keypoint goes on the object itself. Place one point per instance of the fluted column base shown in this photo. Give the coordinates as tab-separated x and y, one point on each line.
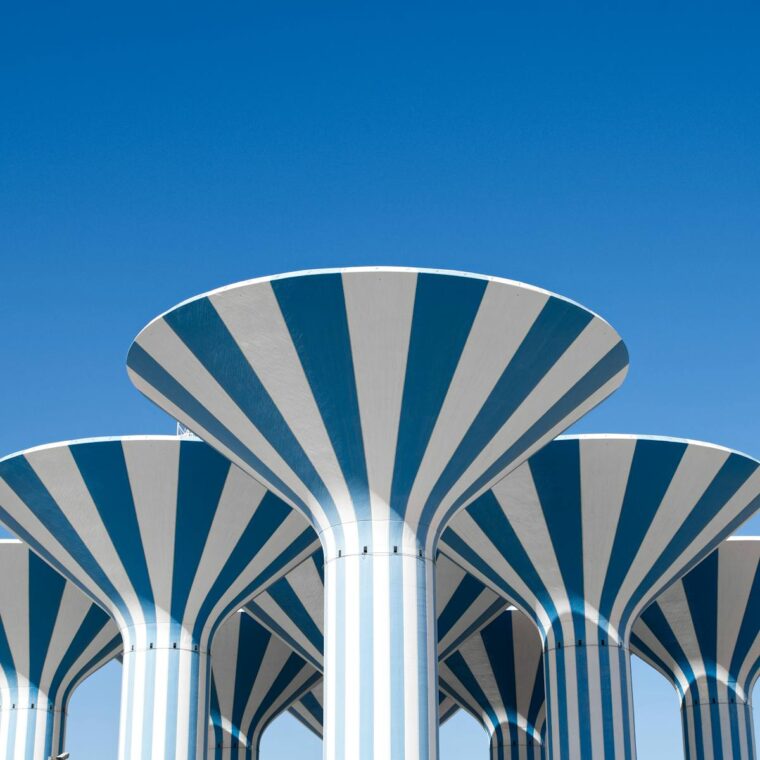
589	701
510	742
31	728
164	701
718	730
381	697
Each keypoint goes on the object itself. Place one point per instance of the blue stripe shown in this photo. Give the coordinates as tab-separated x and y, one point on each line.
314	311
499	641
701	590
45	591
556	474
489	517
464	596
396	665
747	632
104	472
311	704
201	479
268	516
555	329
652	469
443	306
298	546
23	480
91	626
148	368
459	667
607	367
736	470
204	333
366	674
279	631
252	648
288	601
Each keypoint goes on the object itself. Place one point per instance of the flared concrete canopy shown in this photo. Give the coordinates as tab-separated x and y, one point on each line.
497	675
703	634
52	637
256	676
378	394
170	538
582	537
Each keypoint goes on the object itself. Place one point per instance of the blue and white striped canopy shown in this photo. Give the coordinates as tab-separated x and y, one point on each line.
586	533
256	676
162	531
51	638
582	537
703	635
309	709
497	675
292	607
363	396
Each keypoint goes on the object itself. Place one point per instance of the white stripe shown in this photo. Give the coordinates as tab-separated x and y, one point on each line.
604	478
488	350
59	473
269	350
379	321
147	466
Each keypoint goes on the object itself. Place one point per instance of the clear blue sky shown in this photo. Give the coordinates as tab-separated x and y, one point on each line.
149	154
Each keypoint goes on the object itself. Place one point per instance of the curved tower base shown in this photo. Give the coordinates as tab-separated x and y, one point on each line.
380	657
719	730
589	703
163	701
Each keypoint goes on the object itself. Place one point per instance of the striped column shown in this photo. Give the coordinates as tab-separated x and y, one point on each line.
256	676
589	697
309	709
582	538
51	638
719	730
497	675
702	635
170	538
378	401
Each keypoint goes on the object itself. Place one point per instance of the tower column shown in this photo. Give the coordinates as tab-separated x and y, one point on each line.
589	706
164	695
51	638
381	696
718	728
373	399
508	742
31	726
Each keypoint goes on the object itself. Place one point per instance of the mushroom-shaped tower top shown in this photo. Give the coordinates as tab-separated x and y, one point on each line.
256	676
703	635
582	537
378	401
168	536
51	638
497	675
377	394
